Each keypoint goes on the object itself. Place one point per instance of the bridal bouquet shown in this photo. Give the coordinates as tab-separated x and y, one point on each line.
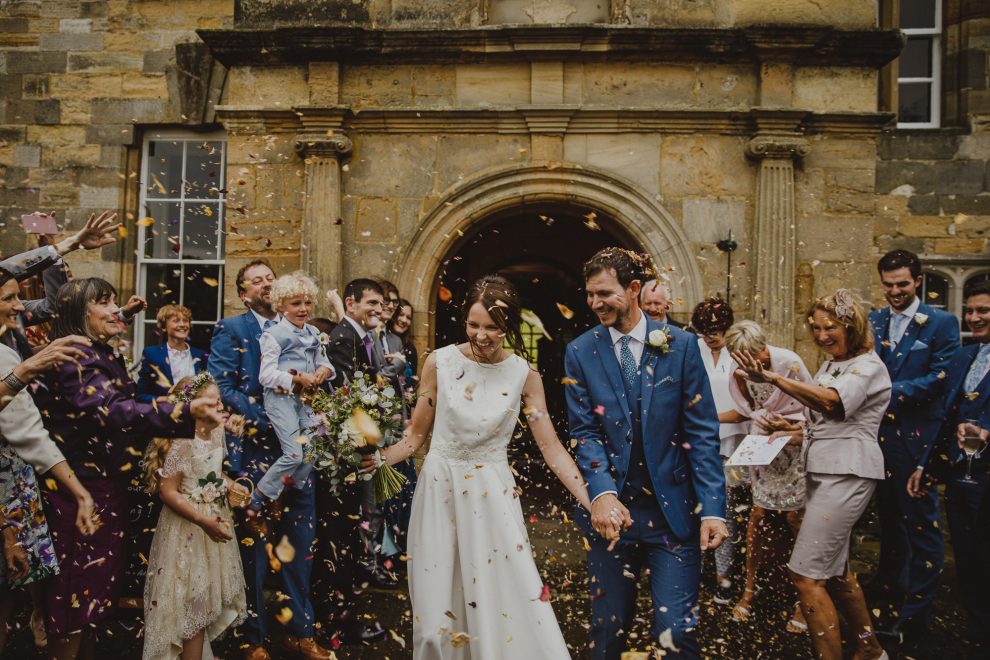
349	422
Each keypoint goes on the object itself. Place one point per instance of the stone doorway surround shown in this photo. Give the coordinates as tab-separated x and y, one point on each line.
461	209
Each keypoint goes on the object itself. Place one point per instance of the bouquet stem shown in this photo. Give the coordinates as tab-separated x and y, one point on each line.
387	483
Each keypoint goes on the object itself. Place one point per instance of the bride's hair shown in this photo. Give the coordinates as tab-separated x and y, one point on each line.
501	300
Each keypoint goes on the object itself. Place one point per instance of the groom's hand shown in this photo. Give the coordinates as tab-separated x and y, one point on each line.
713	532
609	517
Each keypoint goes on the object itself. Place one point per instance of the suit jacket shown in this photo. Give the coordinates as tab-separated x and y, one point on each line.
54	273
679	425
155	377
959	405
917	368
235	362
347	354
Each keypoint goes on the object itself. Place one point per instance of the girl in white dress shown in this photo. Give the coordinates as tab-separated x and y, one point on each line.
475	590
194	590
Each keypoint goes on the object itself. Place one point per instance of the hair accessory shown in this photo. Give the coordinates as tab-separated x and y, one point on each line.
845	305
191	390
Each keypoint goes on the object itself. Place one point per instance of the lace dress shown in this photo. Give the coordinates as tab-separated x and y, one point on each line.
475	590
780	486
193	583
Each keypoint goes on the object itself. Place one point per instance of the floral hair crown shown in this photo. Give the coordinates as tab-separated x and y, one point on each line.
189	391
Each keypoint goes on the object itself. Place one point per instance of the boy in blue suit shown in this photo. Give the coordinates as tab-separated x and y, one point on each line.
916	342
235	364
968	398
165	364
641	410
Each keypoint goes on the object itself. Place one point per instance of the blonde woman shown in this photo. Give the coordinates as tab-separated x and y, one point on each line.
843	408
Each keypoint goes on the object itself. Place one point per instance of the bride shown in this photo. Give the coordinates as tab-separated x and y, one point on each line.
475	590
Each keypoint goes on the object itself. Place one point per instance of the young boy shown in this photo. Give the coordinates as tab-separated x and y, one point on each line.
292	361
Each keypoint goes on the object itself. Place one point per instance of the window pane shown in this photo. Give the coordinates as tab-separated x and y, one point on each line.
151	334
161	237
914	103
917	14
164	169
200	231
203	169
200	293
934	290
916	58
201	334
161	286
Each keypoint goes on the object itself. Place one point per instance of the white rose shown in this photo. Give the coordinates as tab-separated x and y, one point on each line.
351	434
657	338
920	318
369	399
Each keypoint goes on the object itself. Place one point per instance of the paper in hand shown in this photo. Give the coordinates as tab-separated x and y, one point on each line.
757	450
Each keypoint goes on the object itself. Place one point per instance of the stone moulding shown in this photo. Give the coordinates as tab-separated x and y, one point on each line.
815	46
460	209
519	121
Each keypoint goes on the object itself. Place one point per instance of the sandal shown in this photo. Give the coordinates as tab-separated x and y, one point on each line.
797	626
740	612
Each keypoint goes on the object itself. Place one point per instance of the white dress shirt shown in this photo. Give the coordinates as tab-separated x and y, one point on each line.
270	375
637	340
262	320
357	327
899	321
181	363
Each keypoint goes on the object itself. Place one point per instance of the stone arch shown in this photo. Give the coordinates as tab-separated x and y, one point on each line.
464	206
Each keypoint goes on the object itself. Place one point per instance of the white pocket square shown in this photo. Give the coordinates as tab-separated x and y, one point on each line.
665	380
918	345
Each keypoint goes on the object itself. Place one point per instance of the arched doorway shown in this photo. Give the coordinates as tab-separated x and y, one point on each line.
539	247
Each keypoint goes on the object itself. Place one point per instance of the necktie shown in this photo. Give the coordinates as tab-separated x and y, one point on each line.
268	323
627	362
900	323
367	349
979	368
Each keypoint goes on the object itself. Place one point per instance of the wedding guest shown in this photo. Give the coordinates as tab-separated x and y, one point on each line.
341	551
293	363
916	343
235	364
167	363
399	508
654	299
711	318
968	398
843	408
195	586
90	410
779	488
400	325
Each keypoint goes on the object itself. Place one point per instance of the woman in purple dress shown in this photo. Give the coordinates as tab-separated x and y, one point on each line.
91	412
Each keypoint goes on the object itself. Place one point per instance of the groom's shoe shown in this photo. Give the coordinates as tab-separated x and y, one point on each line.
305	648
361	634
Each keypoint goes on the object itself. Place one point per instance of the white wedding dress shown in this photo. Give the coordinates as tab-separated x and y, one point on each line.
474	586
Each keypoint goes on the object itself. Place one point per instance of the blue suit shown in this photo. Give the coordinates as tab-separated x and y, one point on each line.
235	362
156	371
965	503
911	546
656	444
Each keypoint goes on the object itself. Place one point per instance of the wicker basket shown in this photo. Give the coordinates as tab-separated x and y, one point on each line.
237	499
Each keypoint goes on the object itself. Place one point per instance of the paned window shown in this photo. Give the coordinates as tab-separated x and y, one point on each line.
181	231
919	65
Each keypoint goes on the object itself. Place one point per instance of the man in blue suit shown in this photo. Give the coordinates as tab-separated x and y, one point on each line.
165	364
235	362
641	410
968	398
916	342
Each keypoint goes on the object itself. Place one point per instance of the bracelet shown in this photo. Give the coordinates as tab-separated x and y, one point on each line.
13	382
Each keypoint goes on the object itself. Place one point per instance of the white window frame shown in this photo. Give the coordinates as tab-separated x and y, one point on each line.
142	321
956	271
935	80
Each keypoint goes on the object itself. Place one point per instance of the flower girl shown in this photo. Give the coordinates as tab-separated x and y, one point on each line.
195	584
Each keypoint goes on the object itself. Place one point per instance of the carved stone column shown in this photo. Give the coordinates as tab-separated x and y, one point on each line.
773	285
321	227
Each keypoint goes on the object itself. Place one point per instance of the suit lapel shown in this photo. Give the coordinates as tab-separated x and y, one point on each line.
606	353
166	364
881	329
253	329
647	374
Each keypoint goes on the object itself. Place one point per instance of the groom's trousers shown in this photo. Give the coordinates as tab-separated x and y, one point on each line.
675	571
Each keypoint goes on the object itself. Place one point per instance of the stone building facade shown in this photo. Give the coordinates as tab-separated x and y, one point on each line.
428	141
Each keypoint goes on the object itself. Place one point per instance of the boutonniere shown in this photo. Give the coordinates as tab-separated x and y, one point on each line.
324	338
920	318
660	340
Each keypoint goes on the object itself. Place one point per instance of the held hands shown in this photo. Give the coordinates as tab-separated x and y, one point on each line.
307	381
371	462
773	422
713	532
609	518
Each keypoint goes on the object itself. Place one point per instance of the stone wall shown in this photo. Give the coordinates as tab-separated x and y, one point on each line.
79	80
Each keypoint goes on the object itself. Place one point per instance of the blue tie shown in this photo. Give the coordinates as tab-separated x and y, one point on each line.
978	370
627	362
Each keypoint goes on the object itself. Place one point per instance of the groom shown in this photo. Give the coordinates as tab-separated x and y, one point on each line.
641	410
